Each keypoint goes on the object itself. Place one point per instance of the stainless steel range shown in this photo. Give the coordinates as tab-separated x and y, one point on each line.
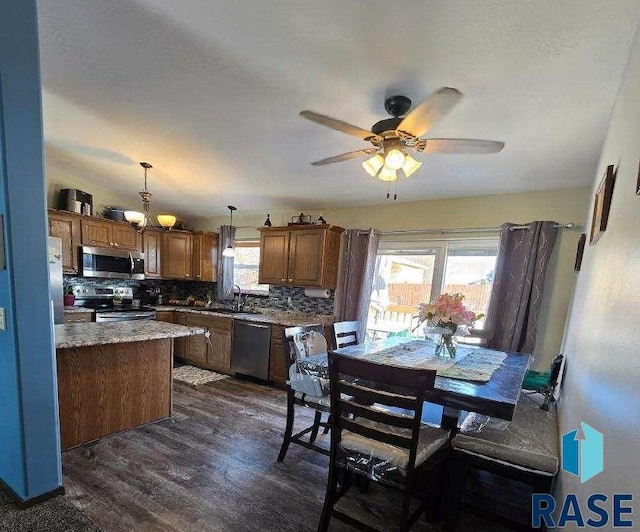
111	303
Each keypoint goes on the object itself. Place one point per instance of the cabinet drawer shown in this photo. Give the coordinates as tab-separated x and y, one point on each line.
165	315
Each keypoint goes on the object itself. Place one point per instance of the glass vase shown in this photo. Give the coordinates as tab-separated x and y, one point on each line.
446	346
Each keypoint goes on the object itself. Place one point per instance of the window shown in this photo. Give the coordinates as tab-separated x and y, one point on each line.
409	273
245	267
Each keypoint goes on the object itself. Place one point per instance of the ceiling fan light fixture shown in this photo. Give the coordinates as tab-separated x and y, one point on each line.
410	165
387	174
373	165
166	220
394	159
229	251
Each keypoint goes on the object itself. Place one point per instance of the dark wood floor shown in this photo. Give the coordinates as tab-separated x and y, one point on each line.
213	467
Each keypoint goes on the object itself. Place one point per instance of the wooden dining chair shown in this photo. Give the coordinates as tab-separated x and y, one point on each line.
345	333
525	449
376	444
319	403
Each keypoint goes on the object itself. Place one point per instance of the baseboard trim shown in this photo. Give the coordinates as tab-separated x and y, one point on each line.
32	501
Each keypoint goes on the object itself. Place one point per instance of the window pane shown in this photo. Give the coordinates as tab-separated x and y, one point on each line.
401	281
245	268
470	272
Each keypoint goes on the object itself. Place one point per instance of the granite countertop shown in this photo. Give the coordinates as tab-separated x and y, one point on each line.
287	318
75	310
88	334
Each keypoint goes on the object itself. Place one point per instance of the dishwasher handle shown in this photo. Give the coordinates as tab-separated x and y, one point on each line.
255	325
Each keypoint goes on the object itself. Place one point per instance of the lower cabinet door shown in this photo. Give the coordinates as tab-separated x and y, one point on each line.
196	350
180	344
219	354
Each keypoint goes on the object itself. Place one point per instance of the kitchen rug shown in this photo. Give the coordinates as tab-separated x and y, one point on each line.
196	376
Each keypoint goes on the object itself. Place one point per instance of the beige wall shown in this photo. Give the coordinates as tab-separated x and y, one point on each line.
602	382
567	205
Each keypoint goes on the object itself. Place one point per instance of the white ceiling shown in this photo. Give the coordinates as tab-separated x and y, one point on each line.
209	93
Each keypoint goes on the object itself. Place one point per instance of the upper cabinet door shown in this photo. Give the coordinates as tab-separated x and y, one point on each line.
300	256
151	248
124	236
67	228
274	257
305	258
176	255
96	233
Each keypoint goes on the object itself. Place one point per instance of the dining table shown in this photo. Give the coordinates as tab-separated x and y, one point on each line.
494	392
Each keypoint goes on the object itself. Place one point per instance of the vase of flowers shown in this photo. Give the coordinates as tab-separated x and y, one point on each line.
445	317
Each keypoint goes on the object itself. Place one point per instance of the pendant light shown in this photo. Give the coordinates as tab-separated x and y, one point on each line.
140	219
229	251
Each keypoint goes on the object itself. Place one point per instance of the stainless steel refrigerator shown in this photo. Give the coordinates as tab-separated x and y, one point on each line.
55	279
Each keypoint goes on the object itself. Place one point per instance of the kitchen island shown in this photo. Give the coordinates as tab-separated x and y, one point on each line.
114	376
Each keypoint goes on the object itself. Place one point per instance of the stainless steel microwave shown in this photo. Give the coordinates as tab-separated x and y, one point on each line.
111	263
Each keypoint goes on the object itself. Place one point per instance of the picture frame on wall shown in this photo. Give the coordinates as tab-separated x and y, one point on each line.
580	252
602	205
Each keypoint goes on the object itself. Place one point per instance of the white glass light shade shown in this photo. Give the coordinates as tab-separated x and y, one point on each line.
386	174
372	165
166	220
410	165
134	217
394	159
229	252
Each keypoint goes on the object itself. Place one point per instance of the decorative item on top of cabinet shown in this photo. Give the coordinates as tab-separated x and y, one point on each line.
176	255
105	233
151	243
66	226
205	256
304	255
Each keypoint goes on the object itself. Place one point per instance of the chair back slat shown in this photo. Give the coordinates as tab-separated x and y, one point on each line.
345	333
377	434
364	394
407	378
379	416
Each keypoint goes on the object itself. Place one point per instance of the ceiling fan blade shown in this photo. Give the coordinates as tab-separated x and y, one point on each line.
458	146
424	115
338	125
345	156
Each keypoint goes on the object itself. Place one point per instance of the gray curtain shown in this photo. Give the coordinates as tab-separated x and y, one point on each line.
224	289
356	279
521	267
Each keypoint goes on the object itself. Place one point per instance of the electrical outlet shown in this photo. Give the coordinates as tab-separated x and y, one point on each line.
3	320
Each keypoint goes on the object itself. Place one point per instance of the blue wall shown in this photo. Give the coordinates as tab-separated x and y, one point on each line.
29	433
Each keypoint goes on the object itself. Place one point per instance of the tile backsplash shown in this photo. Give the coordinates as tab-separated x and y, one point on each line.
279	297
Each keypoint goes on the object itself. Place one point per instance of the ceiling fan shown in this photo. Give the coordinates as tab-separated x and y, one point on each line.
393	138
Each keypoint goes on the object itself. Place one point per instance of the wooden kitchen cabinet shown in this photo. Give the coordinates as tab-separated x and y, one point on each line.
300	255
180	344
151	244
205	256
213	354
164	315
105	233
78	317
219	354
176	255
66	226
277	367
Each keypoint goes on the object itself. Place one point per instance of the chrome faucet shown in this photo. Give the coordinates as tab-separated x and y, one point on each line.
238	304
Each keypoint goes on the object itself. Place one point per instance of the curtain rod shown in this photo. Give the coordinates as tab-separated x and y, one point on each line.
452	230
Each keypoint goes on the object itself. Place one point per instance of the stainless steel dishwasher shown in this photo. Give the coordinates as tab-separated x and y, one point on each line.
251	345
